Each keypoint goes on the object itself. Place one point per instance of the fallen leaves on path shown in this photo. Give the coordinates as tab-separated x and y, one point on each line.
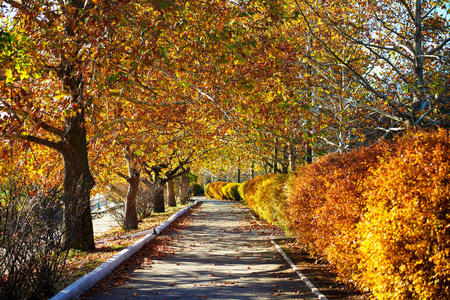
158	248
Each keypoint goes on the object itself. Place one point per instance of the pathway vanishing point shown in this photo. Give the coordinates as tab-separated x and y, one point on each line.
221	253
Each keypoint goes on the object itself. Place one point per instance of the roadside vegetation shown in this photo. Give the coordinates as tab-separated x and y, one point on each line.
379	215
345	102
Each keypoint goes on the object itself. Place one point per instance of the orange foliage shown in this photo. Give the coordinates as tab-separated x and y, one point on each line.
380	215
249	188
405	246
327	204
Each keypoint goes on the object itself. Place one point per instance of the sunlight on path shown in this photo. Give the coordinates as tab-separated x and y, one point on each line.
221	254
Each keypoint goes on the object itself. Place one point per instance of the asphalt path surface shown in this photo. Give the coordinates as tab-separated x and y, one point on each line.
220	253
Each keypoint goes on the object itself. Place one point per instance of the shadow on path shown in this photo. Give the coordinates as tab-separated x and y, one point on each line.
220	253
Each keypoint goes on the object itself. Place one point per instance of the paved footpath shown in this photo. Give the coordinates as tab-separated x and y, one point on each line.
220	254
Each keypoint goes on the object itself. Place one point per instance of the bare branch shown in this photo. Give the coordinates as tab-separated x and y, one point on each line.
439	47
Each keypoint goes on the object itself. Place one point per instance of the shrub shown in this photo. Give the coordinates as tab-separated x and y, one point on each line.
231	191
249	189
196	188
326	204
214	190
405	247
265	195
380	215
32	252
270	201
241	190
209	192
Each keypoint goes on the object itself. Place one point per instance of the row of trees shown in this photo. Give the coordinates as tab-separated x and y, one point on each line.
108	87
137	90
326	76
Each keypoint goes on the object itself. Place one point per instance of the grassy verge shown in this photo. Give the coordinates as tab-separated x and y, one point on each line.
80	263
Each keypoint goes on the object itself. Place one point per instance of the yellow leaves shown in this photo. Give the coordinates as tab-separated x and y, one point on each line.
404	220
381	230
9	76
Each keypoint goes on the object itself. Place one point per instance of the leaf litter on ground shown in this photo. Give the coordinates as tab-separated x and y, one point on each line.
79	263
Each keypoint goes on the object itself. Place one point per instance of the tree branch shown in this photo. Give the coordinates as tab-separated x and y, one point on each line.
37	140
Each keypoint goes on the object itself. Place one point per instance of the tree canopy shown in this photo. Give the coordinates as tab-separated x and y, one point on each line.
142	90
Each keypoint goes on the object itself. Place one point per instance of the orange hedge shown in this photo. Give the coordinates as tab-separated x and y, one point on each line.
214	190
326	204
248	189
405	234
221	190
380	215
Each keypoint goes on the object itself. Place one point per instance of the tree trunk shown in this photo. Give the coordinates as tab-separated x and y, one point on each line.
239	175
78	182
275	157
131	220
291	157
418	98
309	154
184	189
171	194
158	204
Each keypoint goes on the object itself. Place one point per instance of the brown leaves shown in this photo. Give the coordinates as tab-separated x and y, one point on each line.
158	248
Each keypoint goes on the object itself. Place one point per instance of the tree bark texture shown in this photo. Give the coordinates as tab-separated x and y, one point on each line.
184	189
78	182
171	194
158	205
131	220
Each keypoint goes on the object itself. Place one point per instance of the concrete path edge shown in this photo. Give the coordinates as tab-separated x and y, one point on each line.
77	288
293	266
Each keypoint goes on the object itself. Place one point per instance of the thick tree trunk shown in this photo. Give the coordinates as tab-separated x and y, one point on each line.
185	192
78	182
171	194
158	205
131	220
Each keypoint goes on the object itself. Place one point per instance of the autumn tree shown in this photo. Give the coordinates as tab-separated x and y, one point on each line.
50	93
404	42
84	63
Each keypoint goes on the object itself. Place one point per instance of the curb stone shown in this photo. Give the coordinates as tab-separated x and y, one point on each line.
294	267
77	288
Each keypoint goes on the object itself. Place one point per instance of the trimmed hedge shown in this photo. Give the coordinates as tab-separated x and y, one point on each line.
222	191
231	191
265	195
249	188
326	204
405	232
380	215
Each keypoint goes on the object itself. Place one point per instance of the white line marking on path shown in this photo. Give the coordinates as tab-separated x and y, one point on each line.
294	267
